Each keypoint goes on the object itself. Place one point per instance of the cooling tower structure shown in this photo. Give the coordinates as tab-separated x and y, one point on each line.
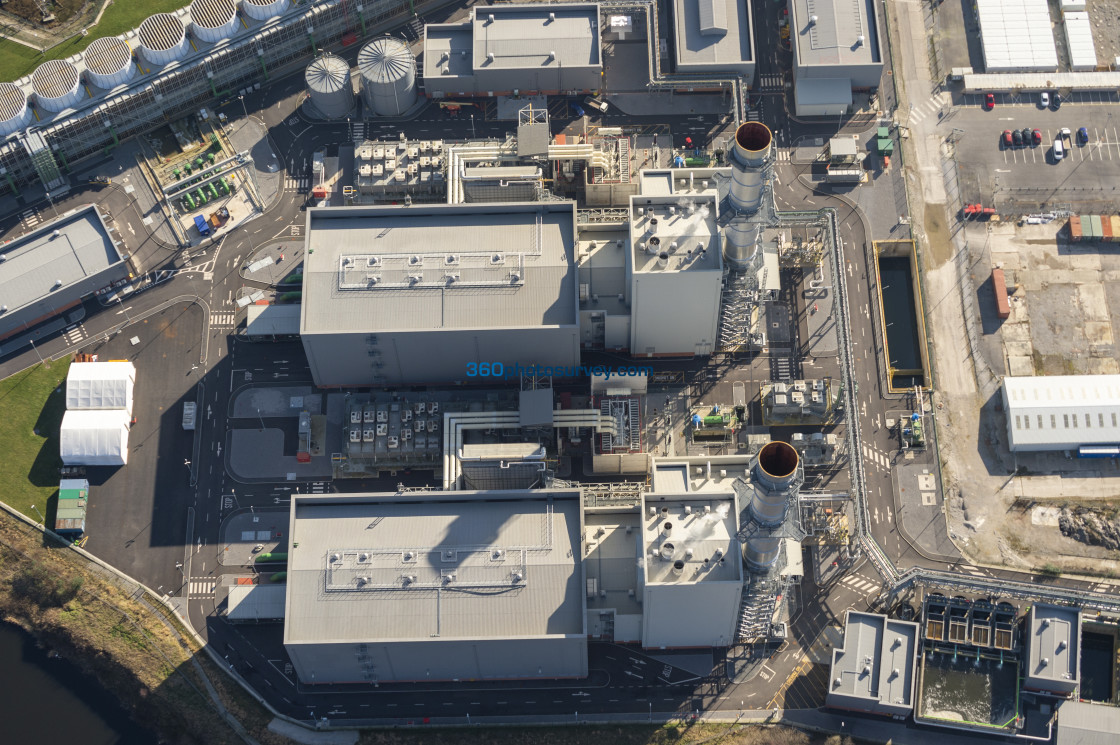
775	481
57	85
388	74
163	39
749	159
213	20
262	10
14	111
328	85
109	62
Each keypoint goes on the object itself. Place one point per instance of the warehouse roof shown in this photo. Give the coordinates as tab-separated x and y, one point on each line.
1085	723
100	385
841	34
536	36
712	33
41	263
437	267
1062	410
1016	35
1054	644
447	50
454	565
272	320
877	660
255	602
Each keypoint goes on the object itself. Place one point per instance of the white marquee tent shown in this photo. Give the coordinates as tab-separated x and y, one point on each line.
100	385
95	438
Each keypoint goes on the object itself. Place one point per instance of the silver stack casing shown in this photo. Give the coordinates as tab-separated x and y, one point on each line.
57	85
388	74
14	111
741	244
329	86
748	162
775	475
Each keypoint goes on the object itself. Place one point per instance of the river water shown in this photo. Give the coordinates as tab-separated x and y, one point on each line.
50	702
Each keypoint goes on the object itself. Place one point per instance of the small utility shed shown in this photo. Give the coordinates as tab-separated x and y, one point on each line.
70	513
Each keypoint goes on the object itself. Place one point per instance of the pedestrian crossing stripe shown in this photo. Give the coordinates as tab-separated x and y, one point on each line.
223	318
31	217
75	334
782	156
771	81
202	586
297	183
859	583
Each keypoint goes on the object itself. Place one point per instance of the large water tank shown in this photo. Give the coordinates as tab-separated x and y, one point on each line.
748	156
163	39
262	10
388	74
56	85
213	20
328	83
109	62
14	112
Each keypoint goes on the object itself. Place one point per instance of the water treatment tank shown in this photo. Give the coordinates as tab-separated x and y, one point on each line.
388	74
748	157
14	112
56	85
262	10
163	39
109	62
213	20
328	84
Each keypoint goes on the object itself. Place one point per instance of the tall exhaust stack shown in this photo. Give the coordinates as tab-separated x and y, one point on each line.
775	475
748	158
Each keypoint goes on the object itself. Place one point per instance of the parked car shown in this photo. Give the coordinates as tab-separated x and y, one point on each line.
1026	136
1083	136
1007	138
989	101
1036	137
1064	132
1057	101
1059	149
1044	100
1017	138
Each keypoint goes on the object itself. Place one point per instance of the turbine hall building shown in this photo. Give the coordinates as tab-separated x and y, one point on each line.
425	294
445	586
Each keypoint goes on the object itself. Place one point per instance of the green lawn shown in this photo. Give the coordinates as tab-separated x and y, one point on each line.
17	60
30	401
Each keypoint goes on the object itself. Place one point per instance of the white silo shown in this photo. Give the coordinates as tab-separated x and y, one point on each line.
262	10
109	62
14	111
748	158
56	85
388	73
163	39
213	20
329	87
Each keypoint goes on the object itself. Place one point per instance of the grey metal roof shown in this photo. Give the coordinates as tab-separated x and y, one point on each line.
34	262
327	73
1054	643
536	36
687	220
448	565
712	33
391	268
1084	723
877	660
255	602
269	320
702	537
447	50
385	59
1062	410
834	38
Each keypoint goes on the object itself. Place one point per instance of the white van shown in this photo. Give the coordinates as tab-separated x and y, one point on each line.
1059	149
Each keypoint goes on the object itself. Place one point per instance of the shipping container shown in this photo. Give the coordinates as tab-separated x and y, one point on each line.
999	286
1075	228
1095	231
202	225
1106	229
1115	220
70	513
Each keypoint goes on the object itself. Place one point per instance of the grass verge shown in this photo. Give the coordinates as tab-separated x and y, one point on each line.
32	403
16	60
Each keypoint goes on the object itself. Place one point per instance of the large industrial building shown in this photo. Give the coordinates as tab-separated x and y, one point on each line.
50	269
836	48
877	668
427	587
1016	36
714	36
515	49
421	295
1063	412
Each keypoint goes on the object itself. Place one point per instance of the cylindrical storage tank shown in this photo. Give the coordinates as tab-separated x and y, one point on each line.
262	10
109	62
759	554
328	84
388	74
56	85
14	111
213	20
748	156
776	467
741	243
163	38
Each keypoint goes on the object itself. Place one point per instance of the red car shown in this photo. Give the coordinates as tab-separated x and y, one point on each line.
989	101
1036	137
1007	138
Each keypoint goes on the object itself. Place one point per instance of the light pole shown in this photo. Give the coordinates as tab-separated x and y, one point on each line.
121	304
36	350
42	519
261	418
472	126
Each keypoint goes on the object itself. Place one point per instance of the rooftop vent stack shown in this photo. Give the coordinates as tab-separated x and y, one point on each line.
678	568
662	260
859	40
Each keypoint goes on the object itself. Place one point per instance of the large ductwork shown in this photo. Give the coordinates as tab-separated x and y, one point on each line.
748	159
